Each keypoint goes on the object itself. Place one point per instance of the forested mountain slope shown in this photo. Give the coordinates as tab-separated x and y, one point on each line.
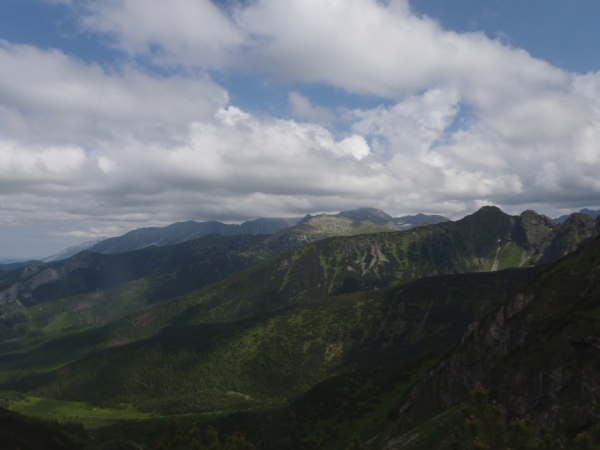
485	241
206	260
194	263
273	356
538	353
285	325
488	240
24	433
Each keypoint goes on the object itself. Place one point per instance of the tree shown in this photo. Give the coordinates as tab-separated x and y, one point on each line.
486	429
238	442
212	439
170	439
589	440
195	439
356	443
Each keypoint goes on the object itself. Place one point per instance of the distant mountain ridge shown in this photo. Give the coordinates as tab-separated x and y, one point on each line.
408	222
207	258
373	215
379	217
187	231
16	265
186	267
589	212
70	251
322	226
297	231
487	240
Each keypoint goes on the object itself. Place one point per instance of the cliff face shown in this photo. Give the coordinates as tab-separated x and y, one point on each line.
578	229
539	353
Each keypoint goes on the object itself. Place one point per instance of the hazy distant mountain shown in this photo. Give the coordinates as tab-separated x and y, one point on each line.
70	251
589	212
379	217
301	231
321	226
186	231
373	215
174	270
408	222
16	264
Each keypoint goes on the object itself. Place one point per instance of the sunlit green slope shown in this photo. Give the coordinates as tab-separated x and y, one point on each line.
273	356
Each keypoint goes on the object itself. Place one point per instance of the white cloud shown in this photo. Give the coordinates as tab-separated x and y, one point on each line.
303	109
468	120
46	96
185	31
363	46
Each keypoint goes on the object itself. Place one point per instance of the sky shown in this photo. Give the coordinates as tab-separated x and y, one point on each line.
121	114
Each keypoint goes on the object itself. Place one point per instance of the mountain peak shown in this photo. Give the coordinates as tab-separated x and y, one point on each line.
490	209
488	212
367	214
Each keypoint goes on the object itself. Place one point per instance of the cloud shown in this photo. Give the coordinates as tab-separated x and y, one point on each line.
466	120
363	46
175	32
303	109
48	97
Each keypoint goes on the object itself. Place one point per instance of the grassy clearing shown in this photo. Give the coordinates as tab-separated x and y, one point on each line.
90	417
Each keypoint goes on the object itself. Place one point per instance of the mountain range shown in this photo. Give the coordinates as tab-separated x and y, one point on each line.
337	324
325	226
589	212
185	231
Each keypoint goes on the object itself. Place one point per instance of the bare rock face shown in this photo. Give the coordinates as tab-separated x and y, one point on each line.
539	353
534	232
578	229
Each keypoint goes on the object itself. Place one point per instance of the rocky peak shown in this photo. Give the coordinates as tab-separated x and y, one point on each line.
373	215
578	229
485	228
533	231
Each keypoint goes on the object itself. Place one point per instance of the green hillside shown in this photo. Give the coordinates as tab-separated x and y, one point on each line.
324	268
374	312
485	241
272	357
92	289
198	262
538	354
151	274
25	433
